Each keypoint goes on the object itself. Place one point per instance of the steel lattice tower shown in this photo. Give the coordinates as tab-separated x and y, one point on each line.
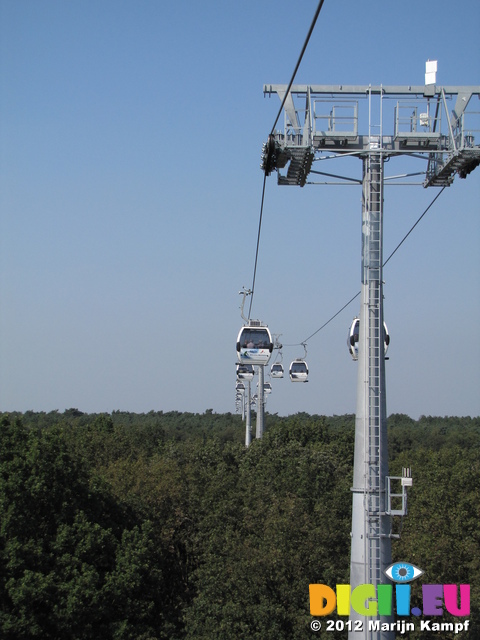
423	126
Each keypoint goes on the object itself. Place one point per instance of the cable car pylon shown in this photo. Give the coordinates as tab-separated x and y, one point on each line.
330	124
254	347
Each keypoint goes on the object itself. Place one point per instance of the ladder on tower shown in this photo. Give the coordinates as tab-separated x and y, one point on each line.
374	372
374	206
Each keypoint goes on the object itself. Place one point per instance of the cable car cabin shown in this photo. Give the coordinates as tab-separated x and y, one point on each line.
254	345
299	371
267	388
352	340
276	370
240	387
353	337
245	372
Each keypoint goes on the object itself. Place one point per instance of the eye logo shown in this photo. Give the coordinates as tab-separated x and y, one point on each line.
402	572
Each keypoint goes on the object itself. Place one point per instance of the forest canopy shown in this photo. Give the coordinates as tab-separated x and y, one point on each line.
164	526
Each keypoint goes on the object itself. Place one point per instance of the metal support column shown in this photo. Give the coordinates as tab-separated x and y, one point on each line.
450	151
260	402
248	420
371	546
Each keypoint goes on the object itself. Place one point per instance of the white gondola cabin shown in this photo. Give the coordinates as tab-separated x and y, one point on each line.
353	337
352	340
254	343
276	370
245	372
240	387
267	387
299	371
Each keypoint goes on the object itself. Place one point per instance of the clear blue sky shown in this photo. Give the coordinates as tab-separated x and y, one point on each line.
130	136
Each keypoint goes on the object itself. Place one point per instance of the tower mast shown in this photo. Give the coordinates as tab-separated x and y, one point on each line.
330	122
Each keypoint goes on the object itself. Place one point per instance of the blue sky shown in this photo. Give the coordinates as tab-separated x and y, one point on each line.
130	141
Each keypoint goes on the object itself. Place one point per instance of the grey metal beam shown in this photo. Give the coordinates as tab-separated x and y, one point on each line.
290	109
418	142
413	90
463	98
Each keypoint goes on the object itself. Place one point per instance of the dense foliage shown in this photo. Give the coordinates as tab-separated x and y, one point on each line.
164	526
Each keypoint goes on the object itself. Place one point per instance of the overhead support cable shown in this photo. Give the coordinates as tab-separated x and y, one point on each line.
310	31
334	175
406	236
404	175
296	344
269	148
336	156
258	244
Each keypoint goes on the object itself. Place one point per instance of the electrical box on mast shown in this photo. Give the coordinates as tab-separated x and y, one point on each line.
430	72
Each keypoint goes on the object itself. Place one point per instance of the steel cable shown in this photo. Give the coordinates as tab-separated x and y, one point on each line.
357	294
305	44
